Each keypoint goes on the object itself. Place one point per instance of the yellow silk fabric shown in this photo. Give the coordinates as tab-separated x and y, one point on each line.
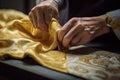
19	38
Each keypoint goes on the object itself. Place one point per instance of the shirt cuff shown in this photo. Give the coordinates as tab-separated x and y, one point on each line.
113	19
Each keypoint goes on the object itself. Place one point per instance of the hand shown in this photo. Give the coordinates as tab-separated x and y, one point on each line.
41	14
79	31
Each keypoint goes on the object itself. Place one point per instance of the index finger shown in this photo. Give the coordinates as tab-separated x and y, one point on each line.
66	28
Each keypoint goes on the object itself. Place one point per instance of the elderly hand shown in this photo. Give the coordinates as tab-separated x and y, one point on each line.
41	14
79	31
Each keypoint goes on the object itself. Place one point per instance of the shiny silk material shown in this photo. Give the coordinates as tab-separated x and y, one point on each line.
18	38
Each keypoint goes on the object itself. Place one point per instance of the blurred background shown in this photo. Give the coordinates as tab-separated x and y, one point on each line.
21	5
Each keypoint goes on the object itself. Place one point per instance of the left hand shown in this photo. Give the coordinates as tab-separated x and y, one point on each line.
79	31
41	14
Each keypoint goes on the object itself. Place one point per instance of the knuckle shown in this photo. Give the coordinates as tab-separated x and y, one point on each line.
80	26
62	31
74	19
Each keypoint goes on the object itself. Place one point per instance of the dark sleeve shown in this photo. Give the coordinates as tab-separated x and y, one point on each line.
114	19
61	4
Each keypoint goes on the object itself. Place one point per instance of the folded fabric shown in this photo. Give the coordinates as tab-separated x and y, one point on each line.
19	38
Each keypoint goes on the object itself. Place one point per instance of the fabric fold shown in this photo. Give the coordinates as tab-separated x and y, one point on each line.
19	38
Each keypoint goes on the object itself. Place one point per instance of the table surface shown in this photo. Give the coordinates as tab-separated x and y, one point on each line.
27	69
23	68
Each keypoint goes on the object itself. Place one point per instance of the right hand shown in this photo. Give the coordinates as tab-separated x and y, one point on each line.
79	31
41	14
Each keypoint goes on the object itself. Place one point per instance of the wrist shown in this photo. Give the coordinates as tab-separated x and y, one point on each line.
105	23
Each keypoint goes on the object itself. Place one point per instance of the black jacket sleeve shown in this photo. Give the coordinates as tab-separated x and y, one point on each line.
61	4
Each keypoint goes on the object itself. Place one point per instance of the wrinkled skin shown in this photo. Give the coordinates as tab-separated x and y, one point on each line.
79	31
76	31
41	14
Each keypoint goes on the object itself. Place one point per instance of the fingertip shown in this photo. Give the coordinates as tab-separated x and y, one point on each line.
65	42
56	16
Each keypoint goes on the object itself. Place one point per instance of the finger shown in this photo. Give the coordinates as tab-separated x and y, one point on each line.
85	37
48	15
37	19
65	29
30	17
33	19
55	14
41	19
76	39
71	34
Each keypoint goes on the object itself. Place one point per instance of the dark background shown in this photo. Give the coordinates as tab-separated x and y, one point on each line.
21	5
25	6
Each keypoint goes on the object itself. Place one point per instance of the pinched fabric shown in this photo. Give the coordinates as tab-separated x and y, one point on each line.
19	38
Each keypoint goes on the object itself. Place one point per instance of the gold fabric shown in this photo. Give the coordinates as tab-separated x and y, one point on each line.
18	38
98	65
